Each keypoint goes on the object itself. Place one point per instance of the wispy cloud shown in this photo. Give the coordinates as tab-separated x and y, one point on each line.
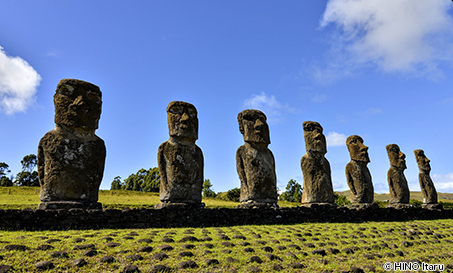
272	108
447	101
372	112
53	53
406	36
18	83
443	183
335	139
318	98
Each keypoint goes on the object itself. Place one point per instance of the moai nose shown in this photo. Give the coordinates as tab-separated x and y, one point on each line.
258	123
185	117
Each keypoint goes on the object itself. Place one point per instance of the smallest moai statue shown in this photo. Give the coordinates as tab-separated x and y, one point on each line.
255	163
399	190
180	160
358	175
71	157
429	193
318	188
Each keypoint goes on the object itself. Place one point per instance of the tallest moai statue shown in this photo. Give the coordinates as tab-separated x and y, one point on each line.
317	187
71	157
255	163
180	160
429	193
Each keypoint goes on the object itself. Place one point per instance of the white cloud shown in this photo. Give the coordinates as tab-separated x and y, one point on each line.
443	183
372	112
409	36
335	139
318	98
272	108
18	83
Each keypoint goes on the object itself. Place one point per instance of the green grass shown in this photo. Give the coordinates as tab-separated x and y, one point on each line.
432	242
28	197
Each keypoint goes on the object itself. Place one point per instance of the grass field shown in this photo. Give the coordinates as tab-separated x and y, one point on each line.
28	197
307	247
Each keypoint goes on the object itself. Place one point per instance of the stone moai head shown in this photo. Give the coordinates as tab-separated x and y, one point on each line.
357	150
396	157
182	120
253	126
422	161
77	104
315	141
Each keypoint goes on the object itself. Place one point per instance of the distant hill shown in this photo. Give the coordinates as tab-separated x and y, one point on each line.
444	197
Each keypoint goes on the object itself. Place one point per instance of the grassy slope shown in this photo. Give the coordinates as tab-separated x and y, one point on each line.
28	197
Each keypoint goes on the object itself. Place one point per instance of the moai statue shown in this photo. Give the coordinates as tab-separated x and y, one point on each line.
317	187
180	160
255	162
399	190
71	157
429	193
357	174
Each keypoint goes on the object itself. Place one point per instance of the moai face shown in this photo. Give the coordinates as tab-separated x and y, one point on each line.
77	104
253	126
315	141
422	161
357	150
396	157
182	120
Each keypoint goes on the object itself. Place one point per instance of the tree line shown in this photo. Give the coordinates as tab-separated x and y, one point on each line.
27	177
149	181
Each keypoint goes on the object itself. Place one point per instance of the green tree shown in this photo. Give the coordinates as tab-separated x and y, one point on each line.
233	194
207	189
28	176
151	182
29	163
116	183
416	203
293	192
5	181
143	180
341	199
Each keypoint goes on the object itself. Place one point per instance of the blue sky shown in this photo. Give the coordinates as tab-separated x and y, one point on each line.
380	69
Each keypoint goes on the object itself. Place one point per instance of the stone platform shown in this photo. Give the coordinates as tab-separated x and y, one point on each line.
64	219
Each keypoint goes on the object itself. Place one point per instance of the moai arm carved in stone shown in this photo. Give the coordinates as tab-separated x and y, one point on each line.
255	163
315	167
429	193
180	160
357	174
399	190
71	157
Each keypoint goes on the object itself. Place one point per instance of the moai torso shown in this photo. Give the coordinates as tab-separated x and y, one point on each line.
429	193
255	163
256	169
181	169
180	160
357	173
399	190
71	157
317	186
70	167
317	180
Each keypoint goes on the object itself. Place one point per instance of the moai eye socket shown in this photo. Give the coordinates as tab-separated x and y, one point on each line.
94	97
176	109
192	112
65	91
